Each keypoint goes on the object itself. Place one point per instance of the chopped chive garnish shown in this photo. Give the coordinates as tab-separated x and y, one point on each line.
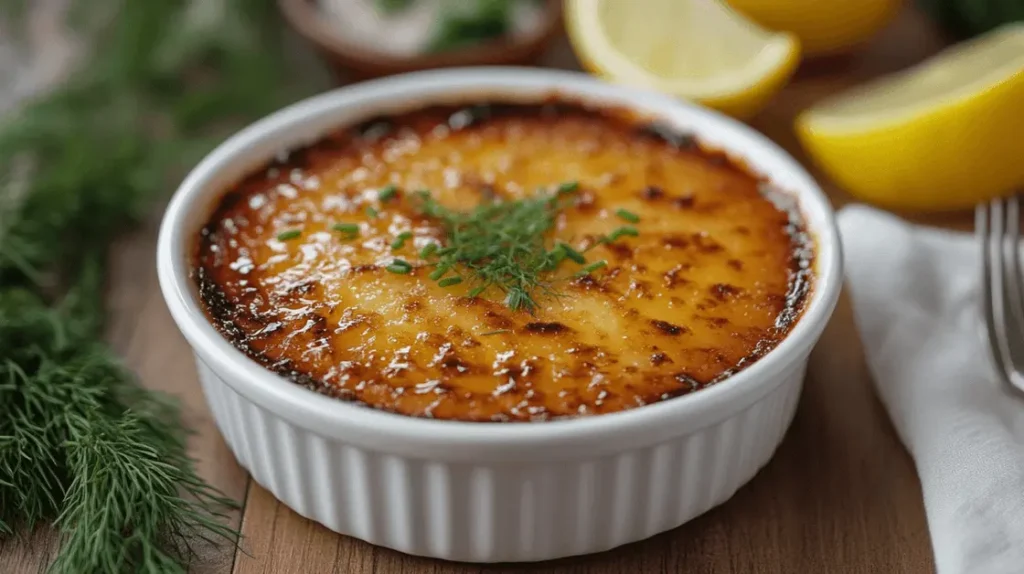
628	216
428	250
347	228
290	234
572	253
448	282
568	186
400	240
371	212
476	291
399	266
624	230
439	272
497	332
591	268
387	193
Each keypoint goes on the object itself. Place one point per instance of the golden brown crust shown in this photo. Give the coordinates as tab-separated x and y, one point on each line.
715	279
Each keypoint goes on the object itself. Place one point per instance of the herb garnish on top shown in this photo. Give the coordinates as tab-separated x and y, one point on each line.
503	245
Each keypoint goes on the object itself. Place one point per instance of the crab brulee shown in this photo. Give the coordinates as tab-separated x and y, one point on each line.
504	262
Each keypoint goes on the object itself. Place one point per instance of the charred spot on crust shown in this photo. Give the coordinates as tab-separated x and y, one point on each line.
735	264
671	277
683	202
586	281
668	328
642	289
706	245
547	328
716	322
585	351
675	242
319	327
723	291
586	202
659	358
652	193
454	365
474	302
497	320
620	250
668	134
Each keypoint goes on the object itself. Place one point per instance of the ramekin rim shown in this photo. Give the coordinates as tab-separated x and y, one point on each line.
330	415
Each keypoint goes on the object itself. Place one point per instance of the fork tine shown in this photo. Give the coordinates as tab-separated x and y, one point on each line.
1013	293
1002	294
988	227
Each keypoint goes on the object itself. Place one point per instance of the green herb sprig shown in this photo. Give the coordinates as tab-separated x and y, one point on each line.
503	245
82	445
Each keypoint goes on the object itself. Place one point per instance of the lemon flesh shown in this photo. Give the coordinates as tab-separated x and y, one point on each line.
697	49
942	135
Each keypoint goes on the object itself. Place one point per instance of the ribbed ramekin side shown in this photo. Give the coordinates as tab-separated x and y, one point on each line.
495	511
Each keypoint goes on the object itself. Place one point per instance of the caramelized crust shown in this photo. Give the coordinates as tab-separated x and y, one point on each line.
715	279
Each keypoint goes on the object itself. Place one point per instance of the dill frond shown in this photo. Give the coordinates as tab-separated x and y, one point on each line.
503	245
82	445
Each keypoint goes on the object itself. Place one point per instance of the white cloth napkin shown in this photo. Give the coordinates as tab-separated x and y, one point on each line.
915	297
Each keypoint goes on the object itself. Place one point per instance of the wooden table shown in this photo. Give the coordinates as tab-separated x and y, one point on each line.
841	494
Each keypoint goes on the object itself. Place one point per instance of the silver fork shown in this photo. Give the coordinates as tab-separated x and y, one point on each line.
997	226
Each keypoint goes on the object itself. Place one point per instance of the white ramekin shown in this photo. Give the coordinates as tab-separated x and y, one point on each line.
493	492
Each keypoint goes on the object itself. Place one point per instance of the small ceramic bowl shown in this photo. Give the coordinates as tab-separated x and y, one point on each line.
353	61
490	492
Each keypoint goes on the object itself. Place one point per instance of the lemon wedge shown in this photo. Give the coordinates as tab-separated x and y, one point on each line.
700	50
943	135
824	27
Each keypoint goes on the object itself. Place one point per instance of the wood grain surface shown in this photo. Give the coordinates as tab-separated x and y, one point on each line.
841	494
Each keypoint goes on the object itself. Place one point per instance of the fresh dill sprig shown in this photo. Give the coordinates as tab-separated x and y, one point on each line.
82	444
502	245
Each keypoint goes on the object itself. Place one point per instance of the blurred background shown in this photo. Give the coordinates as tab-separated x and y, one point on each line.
105	104
212	64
